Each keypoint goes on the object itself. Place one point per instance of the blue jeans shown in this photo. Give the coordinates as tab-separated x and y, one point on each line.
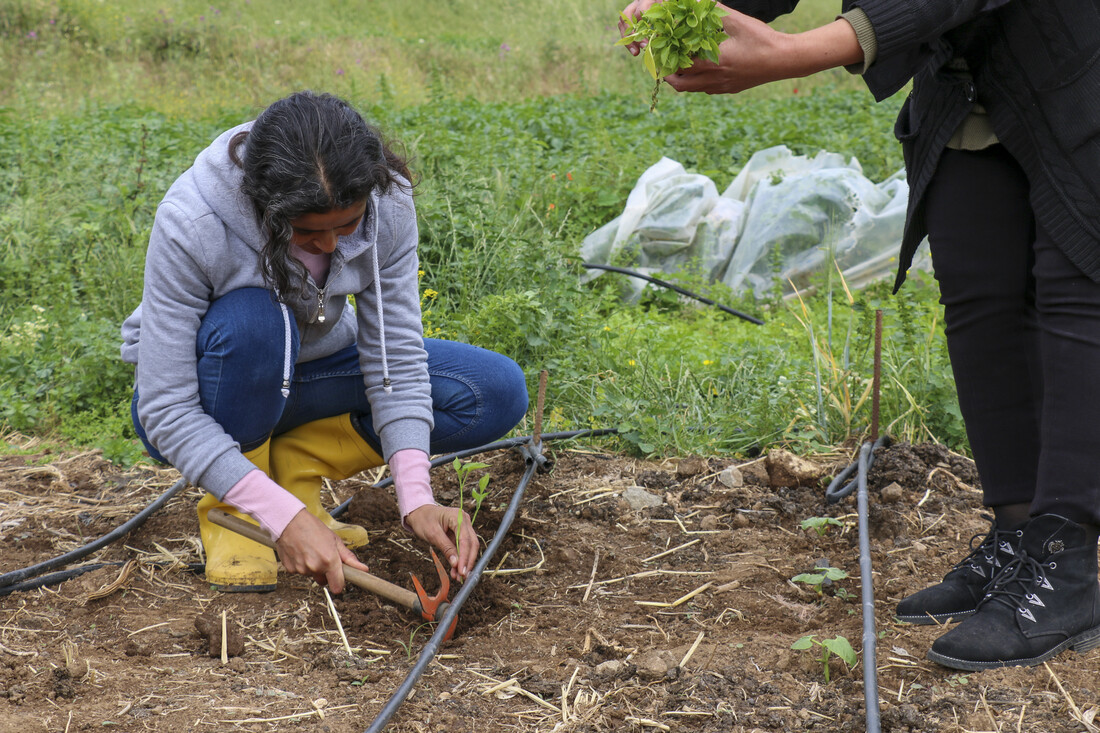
477	395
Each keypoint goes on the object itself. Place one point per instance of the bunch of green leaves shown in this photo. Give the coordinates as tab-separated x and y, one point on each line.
677	32
839	646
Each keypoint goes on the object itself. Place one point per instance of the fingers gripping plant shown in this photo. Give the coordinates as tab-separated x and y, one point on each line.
678	32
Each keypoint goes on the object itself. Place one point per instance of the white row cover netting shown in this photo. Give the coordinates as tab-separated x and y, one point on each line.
783	218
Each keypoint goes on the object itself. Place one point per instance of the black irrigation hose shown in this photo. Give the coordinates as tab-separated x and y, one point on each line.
677	288
862	467
870	638
836	492
506	443
16	576
61	577
533	455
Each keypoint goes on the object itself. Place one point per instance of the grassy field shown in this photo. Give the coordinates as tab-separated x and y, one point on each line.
192	59
527	131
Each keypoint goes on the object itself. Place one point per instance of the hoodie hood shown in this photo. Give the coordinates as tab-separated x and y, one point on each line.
217	180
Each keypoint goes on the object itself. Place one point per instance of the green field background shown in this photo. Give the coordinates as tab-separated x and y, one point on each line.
526	128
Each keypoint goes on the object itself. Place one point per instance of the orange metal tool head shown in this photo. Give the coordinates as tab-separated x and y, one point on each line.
430	605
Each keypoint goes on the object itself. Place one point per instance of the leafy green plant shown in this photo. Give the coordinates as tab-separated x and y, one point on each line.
477	494
678	32
820	524
817	580
838	646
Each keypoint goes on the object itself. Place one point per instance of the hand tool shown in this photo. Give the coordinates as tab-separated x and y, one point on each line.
430	608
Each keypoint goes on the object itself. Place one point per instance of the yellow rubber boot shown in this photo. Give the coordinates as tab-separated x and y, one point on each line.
235	563
327	448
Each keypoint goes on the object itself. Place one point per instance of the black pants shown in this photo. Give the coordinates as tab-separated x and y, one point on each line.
1023	332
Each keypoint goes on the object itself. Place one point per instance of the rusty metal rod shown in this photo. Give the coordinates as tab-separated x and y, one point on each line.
539	405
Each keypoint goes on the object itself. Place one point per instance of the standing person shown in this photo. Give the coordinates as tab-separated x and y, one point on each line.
256	377
1001	138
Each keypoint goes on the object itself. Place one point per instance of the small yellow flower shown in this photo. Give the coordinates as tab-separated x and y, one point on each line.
429	293
632	362
707	362
607	328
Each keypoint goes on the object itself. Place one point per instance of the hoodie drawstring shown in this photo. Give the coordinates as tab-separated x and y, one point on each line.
381	322
287	345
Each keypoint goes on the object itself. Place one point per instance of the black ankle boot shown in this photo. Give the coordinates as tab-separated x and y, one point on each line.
1044	601
957	596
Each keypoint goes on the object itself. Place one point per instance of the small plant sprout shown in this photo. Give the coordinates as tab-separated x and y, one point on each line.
678	32
817	580
478	495
839	646
820	524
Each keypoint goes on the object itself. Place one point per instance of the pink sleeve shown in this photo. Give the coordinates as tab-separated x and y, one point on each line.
269	504
410	480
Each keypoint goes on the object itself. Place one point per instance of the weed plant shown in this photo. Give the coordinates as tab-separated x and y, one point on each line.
507	190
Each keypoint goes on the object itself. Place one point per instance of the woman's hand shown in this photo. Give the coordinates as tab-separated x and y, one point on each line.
438	526
308	547
635	10
756	54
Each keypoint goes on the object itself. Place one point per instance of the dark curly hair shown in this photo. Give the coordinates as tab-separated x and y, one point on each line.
309	153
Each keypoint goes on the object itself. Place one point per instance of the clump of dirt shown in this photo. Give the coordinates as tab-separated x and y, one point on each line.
375	509
209	626
603	609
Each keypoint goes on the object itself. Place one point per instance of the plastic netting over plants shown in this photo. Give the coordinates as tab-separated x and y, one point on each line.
782	219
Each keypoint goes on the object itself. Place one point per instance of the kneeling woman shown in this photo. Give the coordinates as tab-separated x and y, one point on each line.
257	379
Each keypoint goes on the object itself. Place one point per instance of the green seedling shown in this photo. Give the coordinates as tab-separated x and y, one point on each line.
678	32
839	646
820	524
412	637
817	580
478	495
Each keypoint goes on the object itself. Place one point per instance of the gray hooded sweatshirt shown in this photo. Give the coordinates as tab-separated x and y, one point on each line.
206	242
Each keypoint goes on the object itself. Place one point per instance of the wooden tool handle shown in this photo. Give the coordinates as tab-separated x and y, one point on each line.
366	581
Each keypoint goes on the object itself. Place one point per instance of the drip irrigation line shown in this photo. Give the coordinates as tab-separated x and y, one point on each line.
677	288
506	443
535	459
835	492
16	576
62	576
870	638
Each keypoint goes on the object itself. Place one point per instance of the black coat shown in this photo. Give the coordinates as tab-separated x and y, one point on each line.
1034	66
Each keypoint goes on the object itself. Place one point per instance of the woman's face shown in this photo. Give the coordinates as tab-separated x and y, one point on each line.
317	233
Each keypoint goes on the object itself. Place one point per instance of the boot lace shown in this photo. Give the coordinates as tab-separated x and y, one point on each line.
1017	585
984	555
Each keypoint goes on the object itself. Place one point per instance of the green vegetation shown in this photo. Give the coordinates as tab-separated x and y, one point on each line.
838	646
817	580
676	33
520	153
820	524
478	492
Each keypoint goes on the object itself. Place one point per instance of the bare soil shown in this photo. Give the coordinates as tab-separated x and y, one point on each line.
599	617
